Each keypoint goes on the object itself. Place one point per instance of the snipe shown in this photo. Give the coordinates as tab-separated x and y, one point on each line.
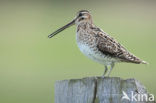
97	44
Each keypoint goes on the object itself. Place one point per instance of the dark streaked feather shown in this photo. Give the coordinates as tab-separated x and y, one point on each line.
83	11
112	48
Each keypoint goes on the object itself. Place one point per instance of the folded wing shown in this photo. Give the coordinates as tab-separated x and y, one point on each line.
108	46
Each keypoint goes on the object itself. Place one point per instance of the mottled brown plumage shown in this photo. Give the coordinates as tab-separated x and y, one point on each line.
111	47
97	44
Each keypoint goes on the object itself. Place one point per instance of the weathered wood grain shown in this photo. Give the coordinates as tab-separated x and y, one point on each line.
98	90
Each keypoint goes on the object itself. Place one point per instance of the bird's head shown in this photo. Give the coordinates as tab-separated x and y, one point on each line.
82	16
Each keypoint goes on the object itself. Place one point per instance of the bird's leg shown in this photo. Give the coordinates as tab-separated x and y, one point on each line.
105	71
112	65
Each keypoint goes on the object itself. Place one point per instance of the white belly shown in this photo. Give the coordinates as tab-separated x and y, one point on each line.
95	55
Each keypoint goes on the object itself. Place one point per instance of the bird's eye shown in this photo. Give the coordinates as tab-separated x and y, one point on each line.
80	14
82	18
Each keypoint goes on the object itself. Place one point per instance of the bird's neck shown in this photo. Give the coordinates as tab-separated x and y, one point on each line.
84	26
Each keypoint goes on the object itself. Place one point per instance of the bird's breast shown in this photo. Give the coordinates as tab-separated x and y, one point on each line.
86	43
88	46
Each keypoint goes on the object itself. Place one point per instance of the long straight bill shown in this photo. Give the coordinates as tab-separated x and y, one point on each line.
61	29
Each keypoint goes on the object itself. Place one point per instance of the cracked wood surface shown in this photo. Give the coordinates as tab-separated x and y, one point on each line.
97	90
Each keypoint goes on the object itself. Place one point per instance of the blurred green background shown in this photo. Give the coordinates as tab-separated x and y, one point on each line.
30	63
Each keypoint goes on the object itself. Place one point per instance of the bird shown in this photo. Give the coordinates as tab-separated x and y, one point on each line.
97	44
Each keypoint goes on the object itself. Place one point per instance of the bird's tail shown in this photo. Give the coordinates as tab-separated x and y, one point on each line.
133	59
144	62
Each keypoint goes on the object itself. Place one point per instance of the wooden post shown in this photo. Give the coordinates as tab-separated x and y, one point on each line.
101	90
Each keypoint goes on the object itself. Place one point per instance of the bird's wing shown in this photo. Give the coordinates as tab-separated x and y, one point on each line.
109	46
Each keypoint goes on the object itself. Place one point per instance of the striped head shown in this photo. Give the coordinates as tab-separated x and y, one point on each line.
82	16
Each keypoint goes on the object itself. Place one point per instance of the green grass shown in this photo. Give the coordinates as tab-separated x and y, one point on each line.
30	63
